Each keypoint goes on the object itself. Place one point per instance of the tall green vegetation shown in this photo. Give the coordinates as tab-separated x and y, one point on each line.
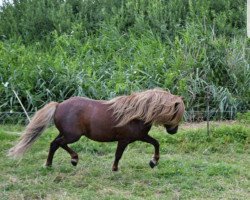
54	49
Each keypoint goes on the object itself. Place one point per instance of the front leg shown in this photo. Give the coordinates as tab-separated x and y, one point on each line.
121	146
154	161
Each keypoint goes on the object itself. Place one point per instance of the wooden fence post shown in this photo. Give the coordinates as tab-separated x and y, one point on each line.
248	18
208	109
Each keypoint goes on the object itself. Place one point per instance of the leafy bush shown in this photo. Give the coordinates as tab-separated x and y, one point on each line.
244	117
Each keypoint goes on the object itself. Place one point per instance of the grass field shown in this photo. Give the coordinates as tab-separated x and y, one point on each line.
192	166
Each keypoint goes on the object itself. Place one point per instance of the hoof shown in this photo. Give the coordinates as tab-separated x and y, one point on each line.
47	165
74	162
152	164
114	169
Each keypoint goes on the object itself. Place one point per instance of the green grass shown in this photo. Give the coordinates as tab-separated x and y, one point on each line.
192	166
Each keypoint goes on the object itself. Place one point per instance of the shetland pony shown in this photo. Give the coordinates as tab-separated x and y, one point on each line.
124	119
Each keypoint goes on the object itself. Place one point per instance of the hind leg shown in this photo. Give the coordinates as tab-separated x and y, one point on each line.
73	154
54	145
62	141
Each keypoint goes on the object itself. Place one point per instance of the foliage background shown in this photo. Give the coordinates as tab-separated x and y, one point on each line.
54	49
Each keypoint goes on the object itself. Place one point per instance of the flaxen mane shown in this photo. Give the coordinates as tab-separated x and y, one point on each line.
152	106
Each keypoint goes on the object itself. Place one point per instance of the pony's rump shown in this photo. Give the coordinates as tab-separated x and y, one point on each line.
151	106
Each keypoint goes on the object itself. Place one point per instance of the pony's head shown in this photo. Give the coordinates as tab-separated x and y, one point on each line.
172	126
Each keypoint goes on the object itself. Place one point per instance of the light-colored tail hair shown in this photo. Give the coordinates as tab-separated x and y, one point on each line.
37	125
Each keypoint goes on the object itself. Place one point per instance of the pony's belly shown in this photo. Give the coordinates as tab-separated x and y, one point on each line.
101	137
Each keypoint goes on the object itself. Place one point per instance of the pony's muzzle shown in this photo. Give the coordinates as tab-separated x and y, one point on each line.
171	130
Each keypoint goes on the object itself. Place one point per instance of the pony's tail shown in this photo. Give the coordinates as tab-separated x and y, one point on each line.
37	125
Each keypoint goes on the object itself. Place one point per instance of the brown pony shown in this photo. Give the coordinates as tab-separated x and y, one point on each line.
124	119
